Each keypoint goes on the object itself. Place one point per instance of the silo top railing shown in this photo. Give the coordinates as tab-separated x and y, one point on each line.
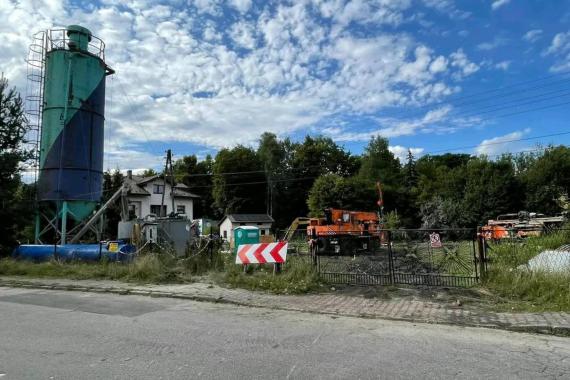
57	39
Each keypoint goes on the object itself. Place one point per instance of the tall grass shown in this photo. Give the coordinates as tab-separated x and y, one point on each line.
148	268
521	289
298	276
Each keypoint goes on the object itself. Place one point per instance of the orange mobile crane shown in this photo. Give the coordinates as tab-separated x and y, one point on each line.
345	232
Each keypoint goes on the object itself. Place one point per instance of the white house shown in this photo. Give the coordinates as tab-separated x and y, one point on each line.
230	221
145	196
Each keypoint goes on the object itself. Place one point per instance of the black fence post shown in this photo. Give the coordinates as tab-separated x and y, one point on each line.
481	252
390	258
475	260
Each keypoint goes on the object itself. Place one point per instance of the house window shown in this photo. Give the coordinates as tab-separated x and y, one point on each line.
262	232
180	209
157	189
225	234
155	209
132	210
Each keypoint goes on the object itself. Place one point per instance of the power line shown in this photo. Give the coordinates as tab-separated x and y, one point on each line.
467	114
499	142
134	113
452	101
247	172
290	179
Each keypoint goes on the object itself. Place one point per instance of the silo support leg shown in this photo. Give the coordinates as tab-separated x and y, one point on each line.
64	223
37	232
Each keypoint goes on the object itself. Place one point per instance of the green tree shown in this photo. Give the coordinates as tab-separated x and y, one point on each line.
197	175
238	181
491	188
272	154
410	172
442	213
547	179
148	173
15	209
307	161
332	190
112	182
379	164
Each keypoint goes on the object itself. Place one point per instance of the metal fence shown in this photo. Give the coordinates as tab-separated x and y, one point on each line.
414	257
436	257
442	257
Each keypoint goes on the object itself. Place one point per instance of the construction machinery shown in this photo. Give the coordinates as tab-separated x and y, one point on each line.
347	232
299	224
520	225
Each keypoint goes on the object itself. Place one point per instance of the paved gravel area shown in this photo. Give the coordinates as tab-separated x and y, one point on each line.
331	303
53	334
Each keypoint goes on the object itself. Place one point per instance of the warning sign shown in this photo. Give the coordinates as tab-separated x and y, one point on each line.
113	247
435	240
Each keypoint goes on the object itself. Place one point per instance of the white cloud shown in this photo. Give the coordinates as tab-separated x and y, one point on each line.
180	77
499	3
532	35
560	48
502	144
401	152
241	5
392	127
243	34
503	65
459	59
438	65
447	7
490	45
560	43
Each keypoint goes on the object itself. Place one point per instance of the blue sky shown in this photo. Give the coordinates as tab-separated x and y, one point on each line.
430	75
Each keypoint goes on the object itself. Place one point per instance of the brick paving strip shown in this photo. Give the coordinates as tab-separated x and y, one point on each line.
334	304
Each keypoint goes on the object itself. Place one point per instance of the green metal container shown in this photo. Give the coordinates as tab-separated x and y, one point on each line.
72	137
245	235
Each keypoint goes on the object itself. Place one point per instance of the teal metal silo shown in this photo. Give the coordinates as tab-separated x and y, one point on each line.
72	128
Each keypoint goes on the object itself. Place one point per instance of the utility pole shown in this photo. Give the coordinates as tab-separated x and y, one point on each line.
167	170
169	157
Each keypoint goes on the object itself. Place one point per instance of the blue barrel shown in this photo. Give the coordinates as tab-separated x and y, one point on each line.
79	252
112	251
35	252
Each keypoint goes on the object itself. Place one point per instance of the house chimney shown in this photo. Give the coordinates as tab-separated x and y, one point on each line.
129	174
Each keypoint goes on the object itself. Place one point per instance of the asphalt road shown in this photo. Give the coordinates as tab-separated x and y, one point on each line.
71	335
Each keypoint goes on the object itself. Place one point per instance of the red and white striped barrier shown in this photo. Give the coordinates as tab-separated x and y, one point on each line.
262	253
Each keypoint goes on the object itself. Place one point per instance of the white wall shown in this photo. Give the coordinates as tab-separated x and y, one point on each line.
265	228
156	199
228	228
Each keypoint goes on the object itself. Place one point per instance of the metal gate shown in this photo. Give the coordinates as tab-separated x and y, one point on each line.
444	257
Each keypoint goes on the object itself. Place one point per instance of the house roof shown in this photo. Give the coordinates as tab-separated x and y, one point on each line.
249	218
136	186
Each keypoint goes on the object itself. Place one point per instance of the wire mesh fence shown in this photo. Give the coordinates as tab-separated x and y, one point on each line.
540	250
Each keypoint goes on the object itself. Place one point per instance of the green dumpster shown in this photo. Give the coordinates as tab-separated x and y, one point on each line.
245	235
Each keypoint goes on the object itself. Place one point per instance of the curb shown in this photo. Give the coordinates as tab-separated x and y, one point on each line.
563	331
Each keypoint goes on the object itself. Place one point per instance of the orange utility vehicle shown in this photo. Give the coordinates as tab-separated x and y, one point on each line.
520	225
345	232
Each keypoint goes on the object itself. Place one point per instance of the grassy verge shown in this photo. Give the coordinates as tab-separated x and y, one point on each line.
149	268
517	289
297	276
